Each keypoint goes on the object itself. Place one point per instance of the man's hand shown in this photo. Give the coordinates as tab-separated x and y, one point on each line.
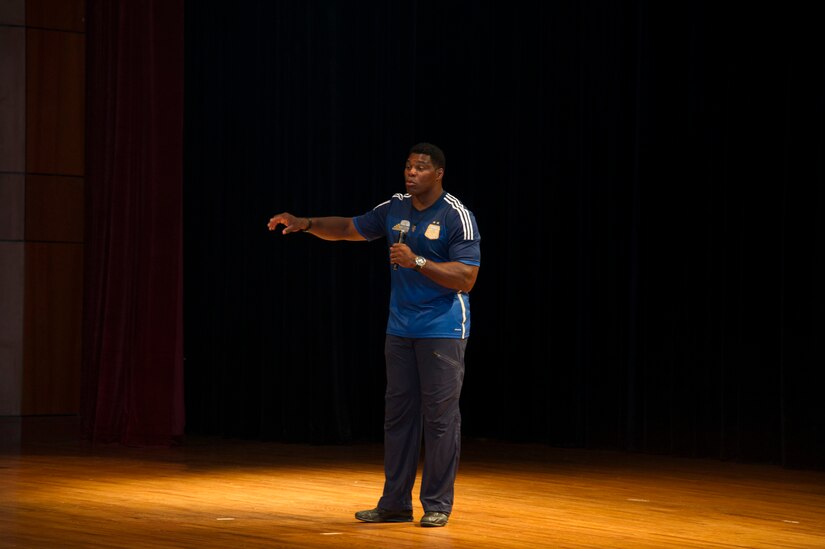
402	255
291	223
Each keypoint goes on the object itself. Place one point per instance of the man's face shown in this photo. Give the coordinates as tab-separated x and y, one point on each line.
420	175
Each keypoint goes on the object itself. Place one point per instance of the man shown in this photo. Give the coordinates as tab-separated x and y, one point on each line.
435	259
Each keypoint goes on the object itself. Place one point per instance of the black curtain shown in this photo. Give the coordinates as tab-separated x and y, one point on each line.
648	182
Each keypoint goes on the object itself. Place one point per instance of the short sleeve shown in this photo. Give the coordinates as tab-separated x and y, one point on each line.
372	225
465	241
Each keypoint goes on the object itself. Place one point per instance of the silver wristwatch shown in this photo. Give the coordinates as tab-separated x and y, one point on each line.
419	263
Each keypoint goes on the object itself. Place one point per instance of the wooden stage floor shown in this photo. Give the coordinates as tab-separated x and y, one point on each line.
221	493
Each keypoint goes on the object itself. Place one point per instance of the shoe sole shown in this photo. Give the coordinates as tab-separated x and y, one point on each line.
400	519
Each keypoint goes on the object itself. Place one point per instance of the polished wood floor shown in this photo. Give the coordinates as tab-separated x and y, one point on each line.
219	493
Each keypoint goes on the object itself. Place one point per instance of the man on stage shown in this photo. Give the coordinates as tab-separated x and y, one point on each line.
435	257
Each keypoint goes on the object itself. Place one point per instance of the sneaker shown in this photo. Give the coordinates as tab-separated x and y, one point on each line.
434	518
383	515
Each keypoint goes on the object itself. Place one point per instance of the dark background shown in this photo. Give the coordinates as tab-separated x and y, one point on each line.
648	182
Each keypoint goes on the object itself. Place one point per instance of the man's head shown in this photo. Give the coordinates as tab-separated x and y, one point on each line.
423	171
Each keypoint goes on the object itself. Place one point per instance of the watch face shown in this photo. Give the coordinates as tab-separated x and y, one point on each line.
420	261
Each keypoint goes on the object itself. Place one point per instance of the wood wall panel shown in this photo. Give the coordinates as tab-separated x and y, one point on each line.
54	208
11	327
52	313
12	99
55	103
67	15
12	206
12	12
42	144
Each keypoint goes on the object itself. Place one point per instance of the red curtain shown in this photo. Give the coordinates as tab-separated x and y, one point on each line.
133	326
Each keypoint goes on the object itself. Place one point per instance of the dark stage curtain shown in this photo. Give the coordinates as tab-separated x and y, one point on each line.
648	182
133	304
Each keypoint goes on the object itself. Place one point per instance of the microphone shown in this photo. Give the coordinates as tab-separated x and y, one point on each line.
403	229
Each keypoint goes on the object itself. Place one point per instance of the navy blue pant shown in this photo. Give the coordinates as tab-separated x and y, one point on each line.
424	378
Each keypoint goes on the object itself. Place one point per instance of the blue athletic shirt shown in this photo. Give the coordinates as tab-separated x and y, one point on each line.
446	231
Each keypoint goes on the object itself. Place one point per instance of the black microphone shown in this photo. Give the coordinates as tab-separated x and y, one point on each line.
403	229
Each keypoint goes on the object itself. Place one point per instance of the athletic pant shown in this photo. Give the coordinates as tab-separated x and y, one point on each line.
424	378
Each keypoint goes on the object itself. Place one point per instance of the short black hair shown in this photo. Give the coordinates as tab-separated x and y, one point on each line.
436	154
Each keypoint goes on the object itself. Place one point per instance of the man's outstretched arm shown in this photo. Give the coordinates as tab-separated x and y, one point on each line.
327	228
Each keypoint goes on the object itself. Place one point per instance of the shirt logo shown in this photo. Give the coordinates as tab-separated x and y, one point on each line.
433	231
